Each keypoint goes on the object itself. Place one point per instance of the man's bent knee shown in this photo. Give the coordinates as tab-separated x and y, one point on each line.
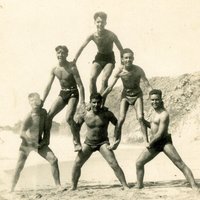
53	160
70	121
113	164
139	164
180	164
140	119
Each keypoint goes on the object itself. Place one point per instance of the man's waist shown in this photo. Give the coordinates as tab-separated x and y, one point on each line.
132	91
72	88
94	141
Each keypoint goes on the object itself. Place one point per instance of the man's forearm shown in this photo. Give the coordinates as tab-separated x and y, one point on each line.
82	94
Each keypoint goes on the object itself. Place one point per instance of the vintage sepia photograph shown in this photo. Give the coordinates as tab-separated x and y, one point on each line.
100	99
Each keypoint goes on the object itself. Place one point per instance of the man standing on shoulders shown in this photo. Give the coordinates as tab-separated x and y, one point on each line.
130	75
161	142
69	78
105	59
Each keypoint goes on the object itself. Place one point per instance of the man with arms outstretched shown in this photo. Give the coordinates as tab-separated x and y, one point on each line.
161	141
69	78
105	58
97	119
131	75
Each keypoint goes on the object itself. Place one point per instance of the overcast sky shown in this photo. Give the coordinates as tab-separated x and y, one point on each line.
164	34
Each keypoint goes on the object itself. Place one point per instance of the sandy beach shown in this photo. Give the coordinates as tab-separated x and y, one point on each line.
162	179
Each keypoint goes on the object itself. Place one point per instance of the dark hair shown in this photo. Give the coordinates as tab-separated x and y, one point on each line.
127	50
102	15
33	94
96	96
156	91
63	47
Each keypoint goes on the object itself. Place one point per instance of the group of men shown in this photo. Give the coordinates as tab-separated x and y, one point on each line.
35	132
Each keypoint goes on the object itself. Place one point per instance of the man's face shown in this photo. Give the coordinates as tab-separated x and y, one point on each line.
35	102
156	101
61	55
96	105
127	59
100	24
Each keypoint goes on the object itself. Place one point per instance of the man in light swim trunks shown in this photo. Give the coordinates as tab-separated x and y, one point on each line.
105	58
160	142
69	78
35	137
130	75
97	120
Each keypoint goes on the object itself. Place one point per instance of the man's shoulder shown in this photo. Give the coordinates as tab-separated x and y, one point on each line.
72	67
105	109
164	114
137	67
110	34
53	68
43	111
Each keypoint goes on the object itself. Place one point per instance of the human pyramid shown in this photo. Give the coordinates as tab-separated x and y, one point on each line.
35	131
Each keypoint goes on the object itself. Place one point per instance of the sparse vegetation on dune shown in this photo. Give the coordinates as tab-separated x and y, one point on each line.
181	97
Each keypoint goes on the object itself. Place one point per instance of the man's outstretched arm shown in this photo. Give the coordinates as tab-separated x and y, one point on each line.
48	86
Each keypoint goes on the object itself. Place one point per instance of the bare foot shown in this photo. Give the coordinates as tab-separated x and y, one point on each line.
72	189
125	187
196	189
139	187
59	189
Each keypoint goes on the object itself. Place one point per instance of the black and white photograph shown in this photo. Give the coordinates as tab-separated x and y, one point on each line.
100	99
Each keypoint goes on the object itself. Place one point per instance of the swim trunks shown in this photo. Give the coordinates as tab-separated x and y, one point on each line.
95	145
131	95
159	145
104	59
27	148
68	93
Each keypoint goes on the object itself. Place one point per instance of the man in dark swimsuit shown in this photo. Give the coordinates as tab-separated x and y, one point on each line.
69	78
131	75
97	119
160	142
105	58
35	137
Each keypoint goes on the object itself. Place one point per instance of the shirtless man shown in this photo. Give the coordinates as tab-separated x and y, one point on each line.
35	137
160	142
97	120
130	75
69	78
105	58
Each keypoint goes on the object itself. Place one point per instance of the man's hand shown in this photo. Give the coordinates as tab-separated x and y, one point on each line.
147	145
114	145
82	107
74	62
42	104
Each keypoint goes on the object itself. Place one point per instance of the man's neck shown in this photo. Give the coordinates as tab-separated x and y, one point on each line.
100	33
63	63
36	110
159	110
